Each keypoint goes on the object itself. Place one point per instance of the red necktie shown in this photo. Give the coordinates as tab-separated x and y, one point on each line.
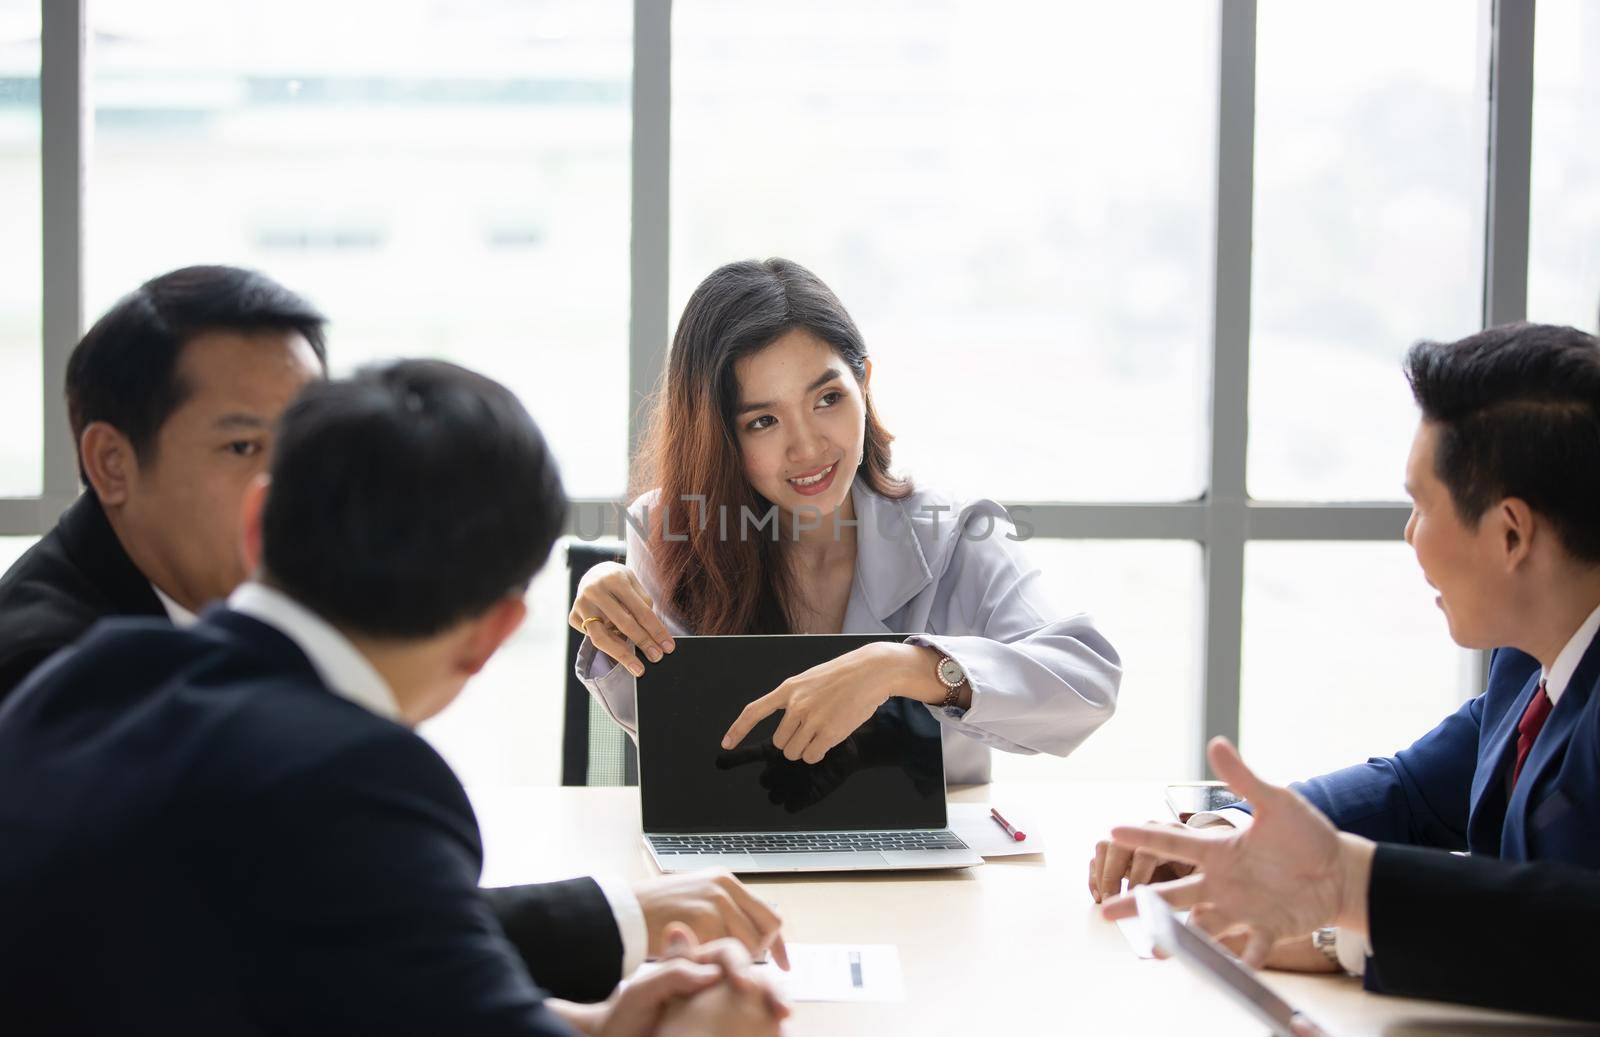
1528	727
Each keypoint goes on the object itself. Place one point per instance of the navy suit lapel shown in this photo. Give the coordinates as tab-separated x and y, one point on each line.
1549	749
1496	753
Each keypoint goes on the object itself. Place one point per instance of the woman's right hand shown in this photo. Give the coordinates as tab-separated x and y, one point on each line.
620	616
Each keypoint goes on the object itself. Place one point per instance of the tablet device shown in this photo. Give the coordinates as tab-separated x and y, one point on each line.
1221	969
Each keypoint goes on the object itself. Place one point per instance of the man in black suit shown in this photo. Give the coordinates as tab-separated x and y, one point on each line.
1477	930
234	829
173	397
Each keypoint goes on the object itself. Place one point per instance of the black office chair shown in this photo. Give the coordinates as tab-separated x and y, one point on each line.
594	750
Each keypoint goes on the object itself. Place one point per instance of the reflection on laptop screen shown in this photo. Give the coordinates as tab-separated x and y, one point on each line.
888	774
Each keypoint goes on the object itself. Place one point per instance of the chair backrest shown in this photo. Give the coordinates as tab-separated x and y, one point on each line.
594	750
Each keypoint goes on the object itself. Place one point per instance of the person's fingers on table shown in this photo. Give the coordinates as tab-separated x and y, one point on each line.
1190	846
1142	867
1179	894
768	923
1095	864
1113	869
749	717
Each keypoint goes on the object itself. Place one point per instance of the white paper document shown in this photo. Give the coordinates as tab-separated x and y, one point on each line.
1138	936
971	821
840	972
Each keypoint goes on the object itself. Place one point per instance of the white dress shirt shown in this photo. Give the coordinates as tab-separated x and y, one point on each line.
1560	673
350	675
181	617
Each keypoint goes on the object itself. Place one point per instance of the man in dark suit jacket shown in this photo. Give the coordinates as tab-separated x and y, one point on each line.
1482	931
1506	526
233	828
173	397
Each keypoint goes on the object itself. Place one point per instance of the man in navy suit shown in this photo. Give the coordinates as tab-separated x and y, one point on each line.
1504	476
233	828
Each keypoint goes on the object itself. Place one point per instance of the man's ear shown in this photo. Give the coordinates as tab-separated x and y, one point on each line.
1516	532
489	632
109	461
250	516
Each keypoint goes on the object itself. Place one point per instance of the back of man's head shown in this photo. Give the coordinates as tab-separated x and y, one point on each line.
408	498
1518	410
125	370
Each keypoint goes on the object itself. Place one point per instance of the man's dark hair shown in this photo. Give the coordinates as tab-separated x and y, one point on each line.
125	370
1518	410
407	498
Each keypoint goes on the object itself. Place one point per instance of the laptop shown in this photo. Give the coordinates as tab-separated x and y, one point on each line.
875	802
1222	969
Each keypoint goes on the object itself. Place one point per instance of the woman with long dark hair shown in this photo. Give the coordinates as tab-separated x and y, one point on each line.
767	506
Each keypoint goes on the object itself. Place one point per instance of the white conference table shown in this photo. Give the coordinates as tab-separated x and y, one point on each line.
1013	947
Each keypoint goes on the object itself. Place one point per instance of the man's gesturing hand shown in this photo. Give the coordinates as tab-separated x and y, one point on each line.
1288	873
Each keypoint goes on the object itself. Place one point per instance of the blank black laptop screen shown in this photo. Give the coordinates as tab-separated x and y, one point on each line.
888	775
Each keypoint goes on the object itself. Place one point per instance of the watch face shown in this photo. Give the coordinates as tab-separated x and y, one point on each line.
950	672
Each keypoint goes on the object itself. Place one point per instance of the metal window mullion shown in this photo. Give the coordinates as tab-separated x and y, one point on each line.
650	206
1510	155
1227	500
1509	180
63	155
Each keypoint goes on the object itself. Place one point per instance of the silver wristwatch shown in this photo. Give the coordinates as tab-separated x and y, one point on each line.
952	676
1326	940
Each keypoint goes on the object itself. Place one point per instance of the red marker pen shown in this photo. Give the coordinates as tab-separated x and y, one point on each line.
1006	825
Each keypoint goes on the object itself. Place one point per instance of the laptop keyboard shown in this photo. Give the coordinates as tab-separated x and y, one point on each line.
806	842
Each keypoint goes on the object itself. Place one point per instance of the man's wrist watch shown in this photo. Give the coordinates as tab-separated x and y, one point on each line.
1326	940
952	676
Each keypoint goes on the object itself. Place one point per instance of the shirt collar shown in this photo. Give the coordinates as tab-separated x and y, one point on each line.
890	564
342	667
181	617
1560	673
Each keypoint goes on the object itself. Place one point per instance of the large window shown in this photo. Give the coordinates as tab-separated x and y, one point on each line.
1345	656
1564	228
442	179
21	421
1147	267
1368	231
993	190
